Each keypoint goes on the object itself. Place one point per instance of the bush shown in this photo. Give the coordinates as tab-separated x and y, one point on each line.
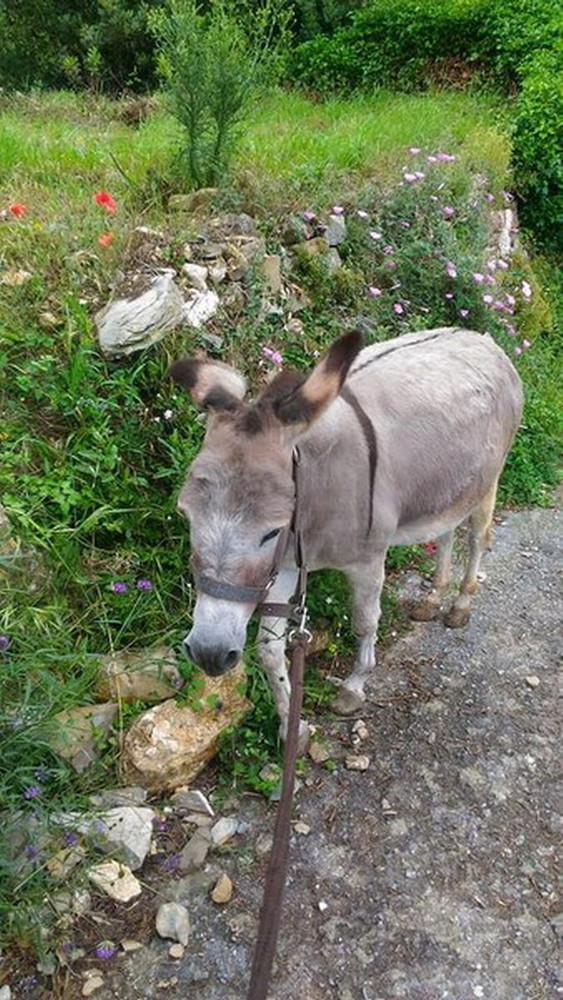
537	144
213	64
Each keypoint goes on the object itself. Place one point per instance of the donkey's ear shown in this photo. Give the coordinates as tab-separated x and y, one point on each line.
211	384
306	401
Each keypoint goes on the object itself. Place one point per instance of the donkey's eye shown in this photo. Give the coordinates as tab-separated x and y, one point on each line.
269	535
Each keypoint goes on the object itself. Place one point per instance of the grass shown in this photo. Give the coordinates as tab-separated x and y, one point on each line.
90	465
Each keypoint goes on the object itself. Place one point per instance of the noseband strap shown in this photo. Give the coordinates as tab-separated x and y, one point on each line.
228	591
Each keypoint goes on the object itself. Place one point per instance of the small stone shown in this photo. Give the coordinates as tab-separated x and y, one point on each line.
319	752
48	319
333	261
193	801
335	233
533	681
360	729
302	828
323	905
263	845
115	880
5	992
217	271
173	922
176	950
359	762
196	276
223	890
224	829
92	984
195	852
129	945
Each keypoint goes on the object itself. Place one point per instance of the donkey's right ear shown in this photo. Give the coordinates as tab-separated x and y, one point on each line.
211	384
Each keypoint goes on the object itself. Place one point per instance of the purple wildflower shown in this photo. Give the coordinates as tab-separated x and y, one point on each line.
171	863
510	329
337	210
518	350
487	299
431	159
489	197
510	299
391	264
389	249
33	792
448	211
376	235
375	292
70	838
445	157
105	950
492	265
451	269
508	197
143	584
309	216
419	175
525	345
478	278
42	775
464	313
502	264
273	356
409	178
398	309
119	587
32	852
5	643
489	280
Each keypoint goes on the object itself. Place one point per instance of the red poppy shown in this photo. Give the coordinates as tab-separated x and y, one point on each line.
106	239
17	208
106	201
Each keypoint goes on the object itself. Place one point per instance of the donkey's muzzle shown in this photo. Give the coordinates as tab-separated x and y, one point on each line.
213	660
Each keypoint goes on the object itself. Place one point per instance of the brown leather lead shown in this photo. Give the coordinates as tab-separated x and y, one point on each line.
270	914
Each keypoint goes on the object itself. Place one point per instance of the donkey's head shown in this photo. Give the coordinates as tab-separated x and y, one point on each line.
239	494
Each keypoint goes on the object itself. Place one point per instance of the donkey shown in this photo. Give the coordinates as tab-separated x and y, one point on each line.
398	443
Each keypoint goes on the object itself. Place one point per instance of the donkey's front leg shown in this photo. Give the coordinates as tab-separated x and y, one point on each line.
271	650
366	581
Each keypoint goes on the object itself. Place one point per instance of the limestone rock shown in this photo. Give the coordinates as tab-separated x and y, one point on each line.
78	730
144	675
132	795
201	307
195	852
176	950
125	832
173	922
117	881
191	800
167	746
335	233
196	276
196	201
357	762
222	890
128	325
93	983
224	829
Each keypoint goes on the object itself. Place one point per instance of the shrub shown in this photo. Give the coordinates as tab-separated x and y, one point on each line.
537	144
213	64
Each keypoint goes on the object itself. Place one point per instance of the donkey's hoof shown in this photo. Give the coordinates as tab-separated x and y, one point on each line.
347	702
457	617
424	610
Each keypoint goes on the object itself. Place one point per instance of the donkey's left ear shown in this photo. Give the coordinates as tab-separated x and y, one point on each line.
211	384
307	401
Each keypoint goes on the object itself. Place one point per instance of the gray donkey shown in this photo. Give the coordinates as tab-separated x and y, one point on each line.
398	443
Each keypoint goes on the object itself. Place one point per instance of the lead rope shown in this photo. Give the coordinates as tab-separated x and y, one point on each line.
270	912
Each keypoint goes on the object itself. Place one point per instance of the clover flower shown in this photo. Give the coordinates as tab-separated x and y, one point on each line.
448	211
143	584
398	308
445	157
33	792
502	264
337	210
168	414
389	249
119	587
409	178
489	197
5	643
431	159
273	356
478	278
309	216
464	313
105	200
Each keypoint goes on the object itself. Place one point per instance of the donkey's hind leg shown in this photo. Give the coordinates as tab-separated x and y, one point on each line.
480	523
429	604
367	582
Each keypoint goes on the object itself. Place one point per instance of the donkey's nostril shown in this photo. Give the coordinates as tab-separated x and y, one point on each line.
231	659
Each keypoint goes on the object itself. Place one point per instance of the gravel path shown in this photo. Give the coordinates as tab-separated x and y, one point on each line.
432	874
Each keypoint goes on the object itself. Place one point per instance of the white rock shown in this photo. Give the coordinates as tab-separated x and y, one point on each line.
196	275
202	307
224	829
176	950
194	800
360	729
222	890
5	992
92	984
359	762
173	922
129	945
117	881
302	828
533	681
126	833
128	325
336	230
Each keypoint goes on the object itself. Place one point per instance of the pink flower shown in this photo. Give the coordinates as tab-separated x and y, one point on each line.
361	214
526	290
464	313
309	216
374	291
487	299
518	350
449	295
489	280
409	178
389	249
508	197
397	308
478	278
419	175
502	265
510	329
430	547
489	197
414	150
375	235
492	265
510	299
451	269
337	210
431	159
525	345
273	356
391	264
448	211
445	157
405	224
